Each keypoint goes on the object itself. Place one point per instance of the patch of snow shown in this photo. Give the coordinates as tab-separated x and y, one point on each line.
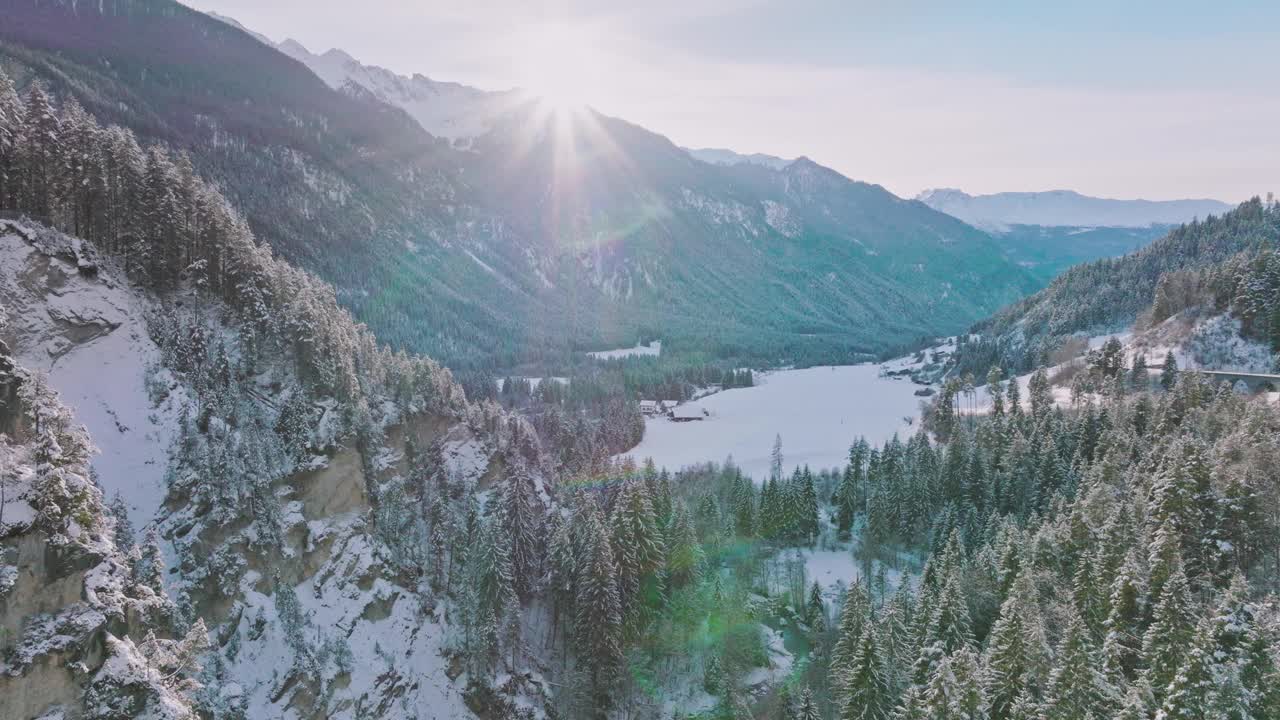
653	349
99	369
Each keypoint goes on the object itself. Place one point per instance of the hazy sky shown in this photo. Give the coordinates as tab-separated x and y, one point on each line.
1118	98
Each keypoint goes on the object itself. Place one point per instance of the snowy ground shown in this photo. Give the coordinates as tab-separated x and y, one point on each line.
818	412
653	349
90	336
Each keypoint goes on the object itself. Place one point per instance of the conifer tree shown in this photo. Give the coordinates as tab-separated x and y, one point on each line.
815	609
1168	640
954	691
1077	688
148	567
1192	691
123	534
1017	652
1169	372
912	705
808	707
638	548
1014	394
490	567
11	126
522	523
1122	643
599	622
1041	395
853	617
562	573
865	693
1138	378
685	558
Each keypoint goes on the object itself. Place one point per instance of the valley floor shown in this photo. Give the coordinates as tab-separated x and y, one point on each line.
818	412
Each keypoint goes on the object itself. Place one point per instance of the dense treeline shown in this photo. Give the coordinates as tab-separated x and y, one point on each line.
592	413
1114	560
1110	294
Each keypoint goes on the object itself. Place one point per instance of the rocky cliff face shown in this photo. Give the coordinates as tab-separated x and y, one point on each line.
80	636
308	578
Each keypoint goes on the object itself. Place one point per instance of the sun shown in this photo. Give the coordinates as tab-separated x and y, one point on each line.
561	63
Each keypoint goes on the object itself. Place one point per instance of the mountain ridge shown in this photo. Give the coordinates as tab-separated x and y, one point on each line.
997	212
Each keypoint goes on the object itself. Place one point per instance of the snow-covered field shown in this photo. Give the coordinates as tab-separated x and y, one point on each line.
818	412
653	349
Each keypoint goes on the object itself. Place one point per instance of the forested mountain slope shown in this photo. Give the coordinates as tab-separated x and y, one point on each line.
1109	295
1047	251
579	232
283	495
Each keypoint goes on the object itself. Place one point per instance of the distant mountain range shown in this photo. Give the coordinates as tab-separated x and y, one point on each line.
1108	295
448	110
721	156
999	212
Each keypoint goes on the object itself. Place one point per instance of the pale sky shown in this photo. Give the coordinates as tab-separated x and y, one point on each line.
1111	98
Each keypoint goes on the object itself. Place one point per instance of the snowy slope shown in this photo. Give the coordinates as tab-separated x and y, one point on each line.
1064	208
89	334
653	349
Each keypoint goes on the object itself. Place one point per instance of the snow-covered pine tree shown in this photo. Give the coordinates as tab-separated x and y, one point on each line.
489	565
1077	688
953	691
1169	372
40	153
293	624
808	507
148	567
744	506
123	534
807	709
11	125
853	617
1194	687
562	574
685	556
815	610
1017	653
522	522
1168	639
865	693
599	622
1122	640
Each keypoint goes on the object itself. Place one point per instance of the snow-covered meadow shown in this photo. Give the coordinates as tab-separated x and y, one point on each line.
818	412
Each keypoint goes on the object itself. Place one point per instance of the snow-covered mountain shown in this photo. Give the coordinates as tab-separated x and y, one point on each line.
449	110
722	156
1000	211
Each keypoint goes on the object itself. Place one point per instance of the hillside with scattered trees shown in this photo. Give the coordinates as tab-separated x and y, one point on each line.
1202	263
